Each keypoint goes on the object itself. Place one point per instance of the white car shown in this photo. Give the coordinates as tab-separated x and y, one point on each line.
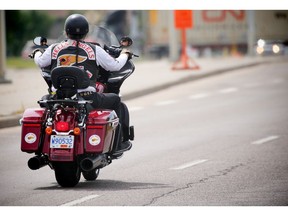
269	47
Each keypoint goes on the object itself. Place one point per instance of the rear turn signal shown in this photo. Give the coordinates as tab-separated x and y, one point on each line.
77	131
48	130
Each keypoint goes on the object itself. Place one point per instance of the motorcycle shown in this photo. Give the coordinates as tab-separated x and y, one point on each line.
64	132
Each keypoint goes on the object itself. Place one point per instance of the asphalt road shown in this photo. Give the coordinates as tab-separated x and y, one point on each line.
220	141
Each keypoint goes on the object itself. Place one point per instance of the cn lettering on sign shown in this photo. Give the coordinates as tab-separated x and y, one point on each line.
222	15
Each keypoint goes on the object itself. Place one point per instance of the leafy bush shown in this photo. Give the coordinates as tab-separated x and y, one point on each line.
24	25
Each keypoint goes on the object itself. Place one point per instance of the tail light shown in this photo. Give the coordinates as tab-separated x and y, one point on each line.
62	126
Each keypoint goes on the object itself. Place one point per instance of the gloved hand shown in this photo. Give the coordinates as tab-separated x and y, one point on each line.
127	51
34	51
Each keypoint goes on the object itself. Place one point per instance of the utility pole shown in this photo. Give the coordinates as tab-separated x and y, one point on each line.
173	39
2	48
251	32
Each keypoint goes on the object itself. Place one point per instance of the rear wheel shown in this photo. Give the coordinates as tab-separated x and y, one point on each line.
67	173
91	175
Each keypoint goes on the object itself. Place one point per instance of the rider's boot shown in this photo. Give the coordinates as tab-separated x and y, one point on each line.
121	146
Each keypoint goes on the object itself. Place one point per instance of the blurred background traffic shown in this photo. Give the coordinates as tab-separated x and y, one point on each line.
212	33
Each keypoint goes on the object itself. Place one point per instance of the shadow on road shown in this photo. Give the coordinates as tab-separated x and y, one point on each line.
106	185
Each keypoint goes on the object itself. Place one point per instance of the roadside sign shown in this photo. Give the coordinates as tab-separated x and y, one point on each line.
183	19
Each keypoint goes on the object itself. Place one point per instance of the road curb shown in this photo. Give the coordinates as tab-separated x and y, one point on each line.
10	121
193	77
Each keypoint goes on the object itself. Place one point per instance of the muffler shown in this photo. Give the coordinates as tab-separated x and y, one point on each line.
90	163
37	162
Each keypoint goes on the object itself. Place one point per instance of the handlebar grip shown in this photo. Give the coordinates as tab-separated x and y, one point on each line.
113	51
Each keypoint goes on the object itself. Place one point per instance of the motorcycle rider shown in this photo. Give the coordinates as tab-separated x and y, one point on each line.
75	51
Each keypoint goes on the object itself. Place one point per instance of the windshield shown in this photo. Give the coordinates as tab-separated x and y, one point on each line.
98	34
102	36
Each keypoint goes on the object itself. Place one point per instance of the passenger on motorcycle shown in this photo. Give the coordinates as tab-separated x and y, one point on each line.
75	51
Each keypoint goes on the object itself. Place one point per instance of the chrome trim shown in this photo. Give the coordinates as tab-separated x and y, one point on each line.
62	133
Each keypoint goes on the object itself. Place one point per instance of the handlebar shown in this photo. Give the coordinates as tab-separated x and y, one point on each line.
116	51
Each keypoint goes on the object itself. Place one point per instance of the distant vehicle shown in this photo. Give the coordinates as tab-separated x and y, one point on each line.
158	51
270	47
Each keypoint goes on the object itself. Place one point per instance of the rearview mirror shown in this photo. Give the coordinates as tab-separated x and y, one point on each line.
40	41
126	41
37	41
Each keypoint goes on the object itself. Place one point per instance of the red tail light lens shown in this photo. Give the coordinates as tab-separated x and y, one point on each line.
62	126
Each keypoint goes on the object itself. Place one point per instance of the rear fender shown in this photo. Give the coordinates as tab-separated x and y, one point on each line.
64	152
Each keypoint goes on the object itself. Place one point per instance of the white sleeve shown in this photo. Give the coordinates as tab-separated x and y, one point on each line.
109	63
43	60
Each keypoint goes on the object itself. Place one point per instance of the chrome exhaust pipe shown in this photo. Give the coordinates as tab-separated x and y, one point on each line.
37	162
90	163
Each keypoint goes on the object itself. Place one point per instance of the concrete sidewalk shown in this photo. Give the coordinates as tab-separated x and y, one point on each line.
28	86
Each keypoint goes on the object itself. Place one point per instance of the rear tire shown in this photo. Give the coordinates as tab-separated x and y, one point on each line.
91	175
67	173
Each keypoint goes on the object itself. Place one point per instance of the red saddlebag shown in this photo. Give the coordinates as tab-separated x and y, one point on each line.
101	126
31	129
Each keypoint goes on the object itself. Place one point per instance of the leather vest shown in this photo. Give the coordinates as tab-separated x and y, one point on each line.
64	54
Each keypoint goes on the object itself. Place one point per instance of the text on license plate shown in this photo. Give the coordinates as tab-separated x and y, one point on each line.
62	141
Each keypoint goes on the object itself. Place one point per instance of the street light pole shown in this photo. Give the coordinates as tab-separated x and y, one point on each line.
2	48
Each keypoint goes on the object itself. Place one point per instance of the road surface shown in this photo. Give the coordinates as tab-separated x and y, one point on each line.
220	141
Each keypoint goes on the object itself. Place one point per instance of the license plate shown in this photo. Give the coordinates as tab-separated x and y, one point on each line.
63	142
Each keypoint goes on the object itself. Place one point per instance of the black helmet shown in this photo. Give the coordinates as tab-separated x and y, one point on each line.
76	26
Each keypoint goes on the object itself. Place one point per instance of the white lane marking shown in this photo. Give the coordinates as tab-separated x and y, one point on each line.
135	108
162	103
277	81
81	200
252	85
265	140
186	165
198	96
228	90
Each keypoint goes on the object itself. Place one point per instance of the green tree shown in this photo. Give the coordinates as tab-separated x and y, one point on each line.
22	26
